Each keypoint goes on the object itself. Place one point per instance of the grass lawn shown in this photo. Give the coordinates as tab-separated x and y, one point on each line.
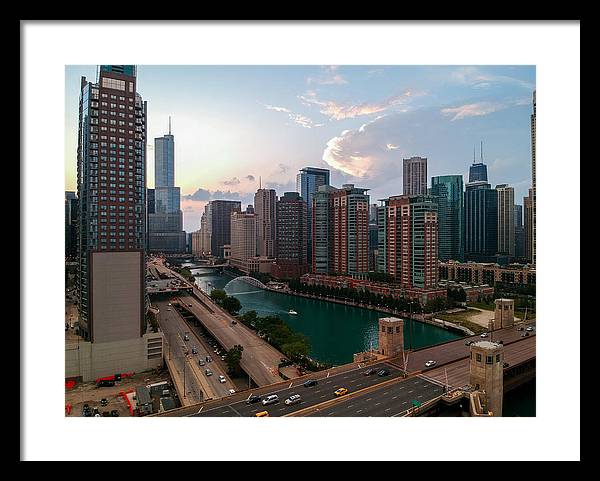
462	319
482	305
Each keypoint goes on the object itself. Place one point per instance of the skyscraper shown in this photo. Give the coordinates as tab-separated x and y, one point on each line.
308	181
415	176
478	171
291	236
449	195
481	222
219	223
408	245
519	234
265	208
71	212
341	220
528	226
111	186
243	236
506	220
165	224
533	193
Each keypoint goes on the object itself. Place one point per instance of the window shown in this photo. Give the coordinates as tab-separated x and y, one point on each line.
113	83
497	357
489	359
478	357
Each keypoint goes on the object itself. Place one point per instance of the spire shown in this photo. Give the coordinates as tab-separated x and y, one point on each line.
169	125
473	153
481	151
259	182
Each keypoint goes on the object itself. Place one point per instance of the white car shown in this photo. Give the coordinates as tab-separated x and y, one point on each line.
529	328
293	399
485	334
232	391
430	363
222	379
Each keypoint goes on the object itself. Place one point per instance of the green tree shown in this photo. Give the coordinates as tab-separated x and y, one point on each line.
231	304
233	359
218	295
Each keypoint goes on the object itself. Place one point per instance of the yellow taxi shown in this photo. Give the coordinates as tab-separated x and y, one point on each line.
262	414
341	391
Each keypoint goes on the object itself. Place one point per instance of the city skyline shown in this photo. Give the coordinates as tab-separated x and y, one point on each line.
358	122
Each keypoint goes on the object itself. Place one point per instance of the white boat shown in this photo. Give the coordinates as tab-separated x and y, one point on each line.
291	311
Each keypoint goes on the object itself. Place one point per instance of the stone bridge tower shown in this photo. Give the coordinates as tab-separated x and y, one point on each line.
391	336
487	374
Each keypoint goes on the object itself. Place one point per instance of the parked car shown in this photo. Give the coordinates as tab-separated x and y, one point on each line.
271	399
370	372
293	399
383	372
310	383
430	363
253	398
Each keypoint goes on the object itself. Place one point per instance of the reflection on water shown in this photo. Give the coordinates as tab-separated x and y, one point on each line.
335	331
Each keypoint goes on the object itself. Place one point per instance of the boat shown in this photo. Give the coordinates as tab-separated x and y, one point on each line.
291	311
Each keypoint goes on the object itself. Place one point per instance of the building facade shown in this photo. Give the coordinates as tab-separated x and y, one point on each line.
218	221
243	235
265	201
528	226
519	234
308	181
414	176
481	222
506	220
477	273
291	220
449	194
71	213
533	191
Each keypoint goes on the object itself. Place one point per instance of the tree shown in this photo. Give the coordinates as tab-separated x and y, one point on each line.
231	304
233	358
218	295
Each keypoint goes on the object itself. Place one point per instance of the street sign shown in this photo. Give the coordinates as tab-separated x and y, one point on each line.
416	403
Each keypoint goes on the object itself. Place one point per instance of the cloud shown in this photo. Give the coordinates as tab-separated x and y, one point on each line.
203	195
472	110
392	147
299	119
474	77
329	77
276	109
250	178
233	181
336	111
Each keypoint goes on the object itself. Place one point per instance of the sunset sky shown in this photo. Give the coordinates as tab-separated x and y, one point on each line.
234	124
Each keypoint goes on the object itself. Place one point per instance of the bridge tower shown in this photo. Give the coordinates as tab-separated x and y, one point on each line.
504	315
391	336
487	374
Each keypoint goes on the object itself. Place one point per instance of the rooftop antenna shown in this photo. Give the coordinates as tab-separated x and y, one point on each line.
473	153
259	182
481	151
169	125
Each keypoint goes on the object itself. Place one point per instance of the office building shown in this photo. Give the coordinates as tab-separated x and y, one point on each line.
308	181
409	225
291	234
265	208
478	171
449	195
481	222
218	222
111	187
71	213
165	224
506	220
243	235
533	191
528	226
519	234
415	176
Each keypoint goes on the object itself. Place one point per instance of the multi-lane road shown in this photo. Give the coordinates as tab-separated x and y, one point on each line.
175	329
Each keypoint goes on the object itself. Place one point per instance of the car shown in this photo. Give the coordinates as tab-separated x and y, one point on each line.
253	398
500	341
186	338
234	322
201	362
520	328
208	372
526	334
469	342
194	350
232	391
505	364
310	383
103	401
529	328
98	415
293	399
369	372
216	351
270	399
208	359
168	308
114	413
95	411
430	363
484	334
383	372
222	379
222	358
341	391
262	414
170	304
189	305
87	412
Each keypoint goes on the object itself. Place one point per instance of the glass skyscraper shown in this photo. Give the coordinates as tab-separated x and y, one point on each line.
481	222
449	195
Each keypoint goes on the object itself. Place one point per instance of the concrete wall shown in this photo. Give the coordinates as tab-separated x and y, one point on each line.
89	361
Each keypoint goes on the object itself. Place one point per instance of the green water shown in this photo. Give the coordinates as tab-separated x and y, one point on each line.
520	402
335	331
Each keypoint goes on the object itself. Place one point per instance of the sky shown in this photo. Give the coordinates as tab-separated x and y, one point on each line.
236	126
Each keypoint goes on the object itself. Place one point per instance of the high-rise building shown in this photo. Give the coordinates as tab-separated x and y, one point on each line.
291	236
449	195
506	220
71	212
341	230
478	171
165	224
308	181
519	234
415	176
533	194
265	208
481	222
528	226
243	236
408	240
112	211
219	223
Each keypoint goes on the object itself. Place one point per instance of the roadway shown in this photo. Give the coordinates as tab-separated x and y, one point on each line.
175	328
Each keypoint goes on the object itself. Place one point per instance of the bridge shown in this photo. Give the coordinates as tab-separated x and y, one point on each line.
248	280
